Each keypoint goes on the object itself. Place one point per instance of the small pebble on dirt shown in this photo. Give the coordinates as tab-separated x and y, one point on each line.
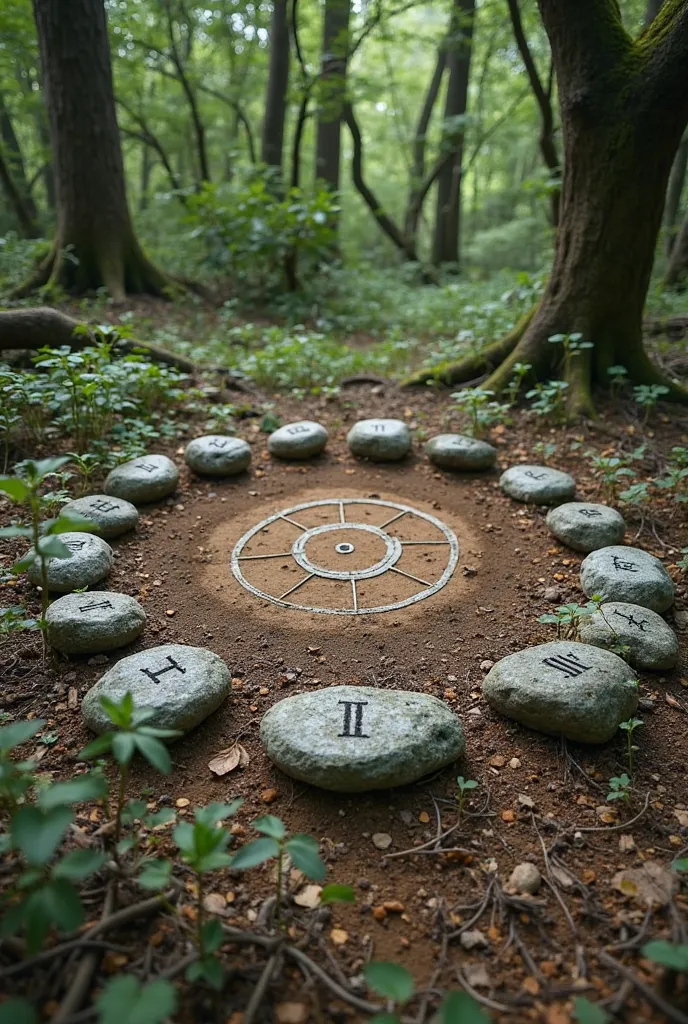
473	939
382	840
525	878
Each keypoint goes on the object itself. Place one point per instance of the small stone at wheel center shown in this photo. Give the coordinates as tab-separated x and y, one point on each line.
344	548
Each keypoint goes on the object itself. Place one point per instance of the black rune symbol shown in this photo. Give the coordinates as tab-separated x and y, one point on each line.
95	604
358	720
145	466
623	564
379	428
102	506
75	545
534	476
217	443
631	621
168	668
300	429
589	513
570	664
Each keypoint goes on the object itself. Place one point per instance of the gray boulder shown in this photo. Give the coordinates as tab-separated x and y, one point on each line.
456	451
89	563
627	574
537	485
110	516
567	689
354	738
300	440
183	684
380	440
586	526
148	478
90	623
651	643
218	455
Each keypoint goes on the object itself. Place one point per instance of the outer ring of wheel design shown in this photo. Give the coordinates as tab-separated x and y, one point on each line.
387	562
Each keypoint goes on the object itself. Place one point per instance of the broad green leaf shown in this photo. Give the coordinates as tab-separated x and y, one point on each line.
303	850
14	488
125	1001
53	547
76	791
16	531
123	747
255	853
154	752
216	812
119	713
391	981
678	865
38	833
335	893
96	747
460	1008
19	732
70	522
62	904
44	467
25	562
183	835
17	1011
156	874
213	935
214	861
269	825
79	864
668	954
162	817
384	1018
586	1012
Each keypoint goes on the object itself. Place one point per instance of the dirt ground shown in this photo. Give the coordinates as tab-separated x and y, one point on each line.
538	799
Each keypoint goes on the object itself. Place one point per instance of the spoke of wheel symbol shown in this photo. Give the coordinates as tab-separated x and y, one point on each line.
393	519
405	543
342	517
401	572
294	523
249	558
296	586
353	587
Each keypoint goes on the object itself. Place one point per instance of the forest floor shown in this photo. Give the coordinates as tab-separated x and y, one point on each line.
538	798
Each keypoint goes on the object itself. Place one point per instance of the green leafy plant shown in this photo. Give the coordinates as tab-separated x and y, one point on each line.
567	619
647	396
586	1012
629	727
610	470
465	785
548	400
669	954
124	998
618	377
481	410
573	345
619	787
520	372
545	450
396	986
15	619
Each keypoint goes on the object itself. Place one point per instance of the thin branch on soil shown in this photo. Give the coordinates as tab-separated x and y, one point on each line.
81	983
616	828
653	998
259	991
491	1004
334	986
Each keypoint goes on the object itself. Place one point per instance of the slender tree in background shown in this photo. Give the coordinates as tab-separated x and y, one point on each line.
332	91
677	271
627	100
413	208
14	179
95	245
278	82
446	236
673	197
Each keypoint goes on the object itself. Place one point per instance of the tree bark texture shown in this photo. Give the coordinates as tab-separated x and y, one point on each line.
95	245
414	208
331	91
16	168
272	142
447	231
673	196
16	201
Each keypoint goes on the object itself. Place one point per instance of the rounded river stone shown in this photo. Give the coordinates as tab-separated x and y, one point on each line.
456	451
148	478
183	684
626	574
299	440
537	485
354	738
380	440
651	643
110	516
89	563
586	526
90	623
566	689
218	455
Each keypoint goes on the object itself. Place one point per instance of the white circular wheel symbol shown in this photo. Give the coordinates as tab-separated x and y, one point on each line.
393	550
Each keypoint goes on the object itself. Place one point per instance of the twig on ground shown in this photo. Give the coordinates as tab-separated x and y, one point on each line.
491	1004
615	828
259	991
653	998
81	982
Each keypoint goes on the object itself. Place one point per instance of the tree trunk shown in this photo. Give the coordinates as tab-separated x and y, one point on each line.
673	197
146	168
677	271
651	11
413	209
16	201
17	170
445	245
332	91
278	83
629	101
95	245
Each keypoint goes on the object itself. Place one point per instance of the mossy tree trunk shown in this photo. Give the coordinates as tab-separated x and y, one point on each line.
95	246
624	106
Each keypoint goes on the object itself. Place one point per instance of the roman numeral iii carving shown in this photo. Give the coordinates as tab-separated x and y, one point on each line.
569	664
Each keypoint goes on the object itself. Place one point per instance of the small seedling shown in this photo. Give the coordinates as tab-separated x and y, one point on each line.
548	400
619	787
520	371
396	985
567	619
585	1012
618	376
629	728
647	396
670	955
482	412
464	786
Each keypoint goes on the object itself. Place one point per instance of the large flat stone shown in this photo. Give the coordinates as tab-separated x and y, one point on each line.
457	451
90	623
148	478
110	516
380	440
627	574
183	684
355	738
300	440
537	485
566	689
89	563
586	526
651	643
218	455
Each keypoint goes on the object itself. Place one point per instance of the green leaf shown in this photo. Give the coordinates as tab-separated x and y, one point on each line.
16	531
120	714
155	753
70	522
269	825
586	1012
460	1008
668	954
681	864
125	1001
162	817
25	562
53	547
76	791
18	732
255	853
62	904
392	981
96	747
17	1011
44	467
335	893
14	488
216	812
213	935
38	833
123	747
156	874
214	861
303	850
384	1018
79	864
208	969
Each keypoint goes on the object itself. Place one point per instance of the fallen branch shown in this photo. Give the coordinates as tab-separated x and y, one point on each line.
653	998
616	828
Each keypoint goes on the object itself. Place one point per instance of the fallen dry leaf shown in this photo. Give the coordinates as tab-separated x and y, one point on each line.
626	844
477	976
183	801
561	877
227	760
308	897
606	814
526	801
653	883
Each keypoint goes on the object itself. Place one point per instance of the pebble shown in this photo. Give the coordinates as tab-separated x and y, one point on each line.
562	688
110	516
380	440
473	939
537	485
651	643
355	738
89	563
301	440
525	878
457	451
148	478
89	623
586	526
183	684
382	840
627	574
217	455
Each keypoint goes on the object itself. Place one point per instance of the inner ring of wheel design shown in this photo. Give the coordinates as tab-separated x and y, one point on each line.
394	548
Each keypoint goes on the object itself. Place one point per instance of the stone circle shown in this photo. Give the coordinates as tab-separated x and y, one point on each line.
627	574
110	516
537	485
89	563
355	738
560	688
218	455
380	440
651	643
301	440
586	526
457	451
183	684
90	623
148	478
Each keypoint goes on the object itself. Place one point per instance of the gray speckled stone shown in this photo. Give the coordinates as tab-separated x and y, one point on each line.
110	516
183	684
456	451
90	623
537	485
148	478
218	455
651	643
586	526
562	688
380	440
626	574
354	738
300	440
90	562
